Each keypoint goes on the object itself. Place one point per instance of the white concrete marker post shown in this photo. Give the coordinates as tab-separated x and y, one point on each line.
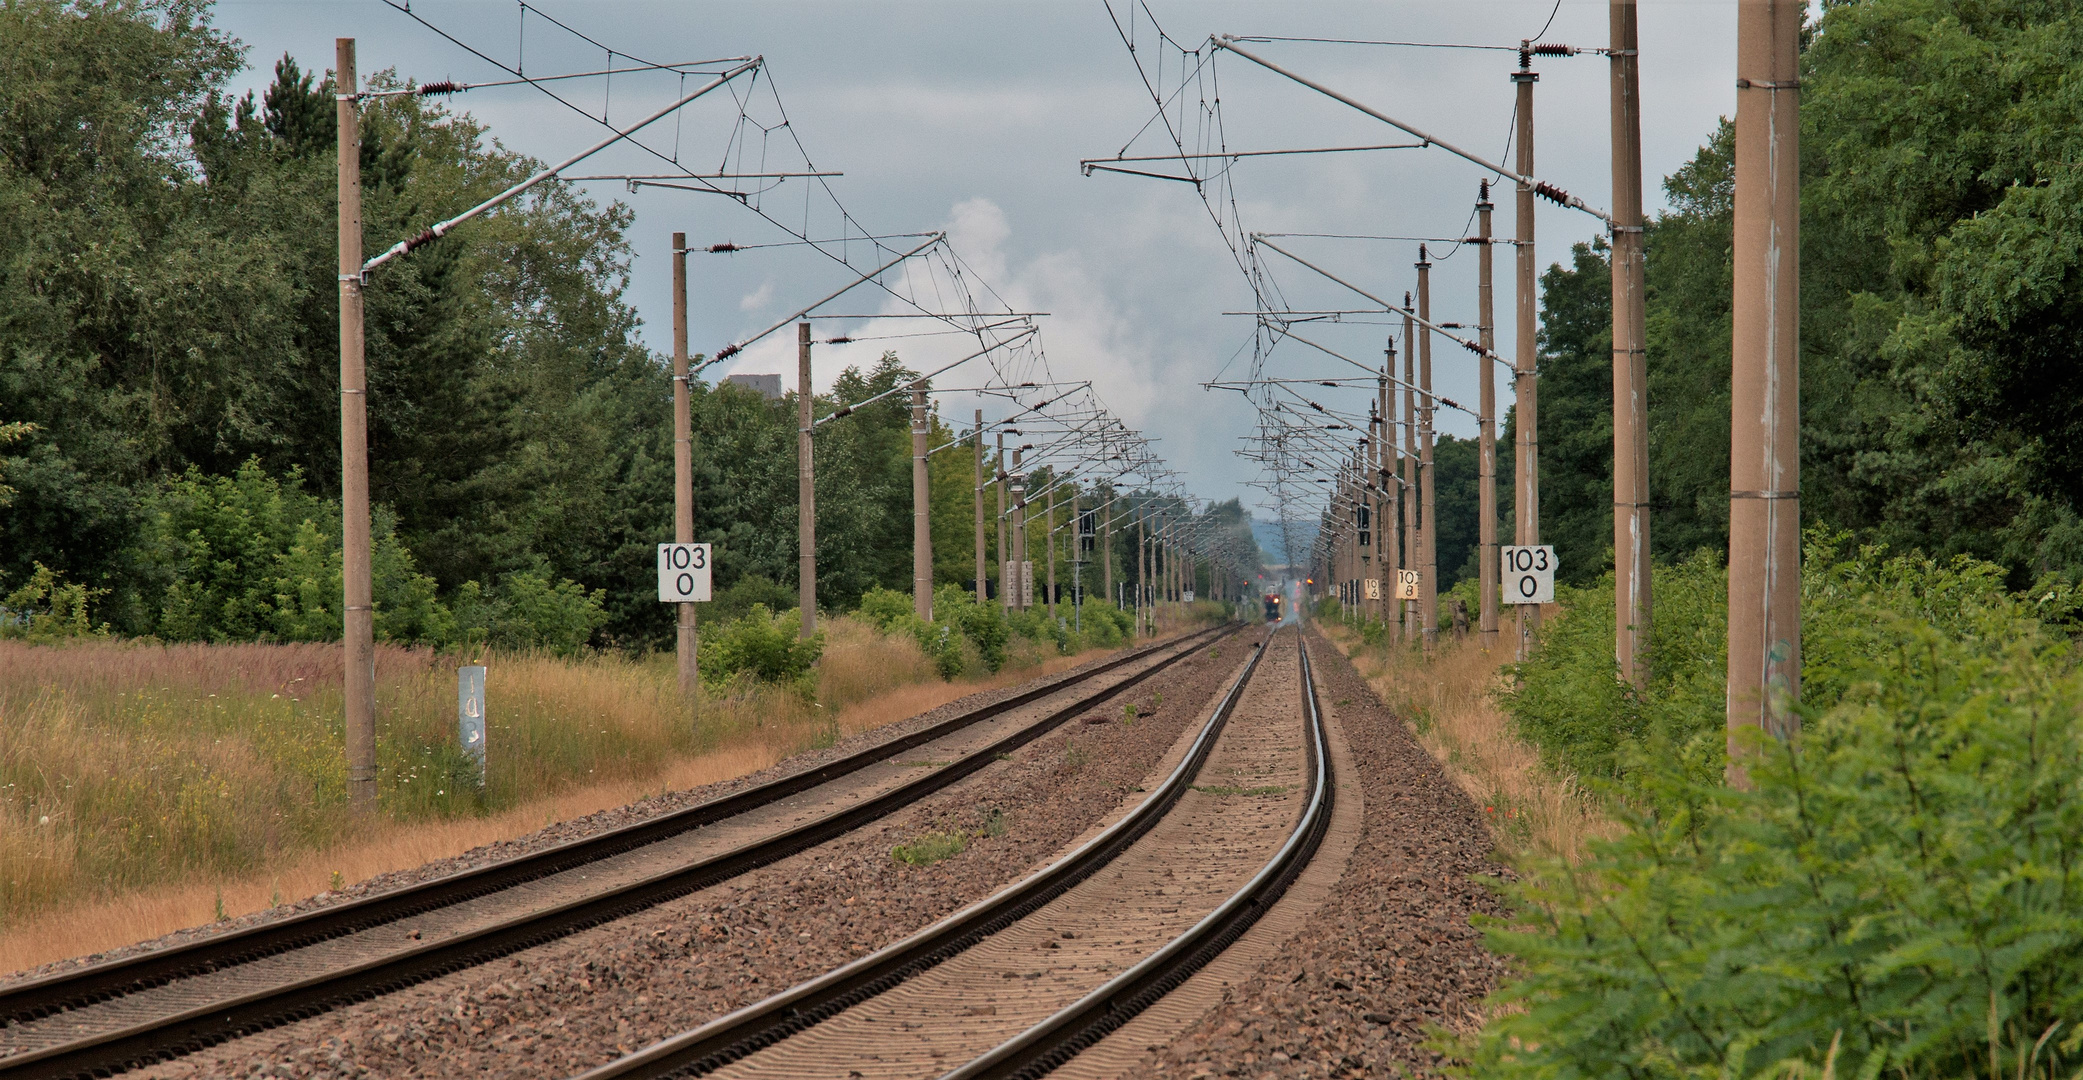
470	716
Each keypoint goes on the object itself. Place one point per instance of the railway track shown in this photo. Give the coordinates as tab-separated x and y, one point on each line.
1021	982
108	1017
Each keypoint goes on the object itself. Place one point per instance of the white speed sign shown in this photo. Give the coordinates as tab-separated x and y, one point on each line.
1529	575
683	573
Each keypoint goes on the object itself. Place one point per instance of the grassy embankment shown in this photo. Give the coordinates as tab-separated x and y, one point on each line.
145	788
1451	700
1893	892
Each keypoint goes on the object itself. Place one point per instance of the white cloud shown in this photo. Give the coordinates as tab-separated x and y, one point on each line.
757	298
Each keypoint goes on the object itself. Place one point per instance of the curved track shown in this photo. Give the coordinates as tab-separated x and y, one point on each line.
1186	872
107	1017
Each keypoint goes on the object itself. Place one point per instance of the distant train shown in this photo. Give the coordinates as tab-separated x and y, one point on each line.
1272	607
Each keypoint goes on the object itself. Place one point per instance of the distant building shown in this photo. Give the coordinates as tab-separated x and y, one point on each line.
766	386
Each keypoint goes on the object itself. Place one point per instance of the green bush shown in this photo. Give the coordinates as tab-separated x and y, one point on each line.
734	602
762	646
1897	895
884	606
528	611
1106	626
891	612
984	624
1901	887
249	557
1568	700
46	608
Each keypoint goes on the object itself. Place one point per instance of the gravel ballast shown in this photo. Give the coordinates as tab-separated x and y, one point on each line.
1392	954
565	1006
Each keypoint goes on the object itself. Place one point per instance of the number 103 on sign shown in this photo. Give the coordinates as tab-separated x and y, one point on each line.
1529	575
683	573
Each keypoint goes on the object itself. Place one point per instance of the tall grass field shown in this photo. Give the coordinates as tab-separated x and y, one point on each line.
130	769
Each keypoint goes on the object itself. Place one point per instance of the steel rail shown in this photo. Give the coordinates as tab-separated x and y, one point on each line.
764	1023
197	1027
1048	1045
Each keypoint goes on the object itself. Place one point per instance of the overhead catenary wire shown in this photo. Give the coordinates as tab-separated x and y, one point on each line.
939	284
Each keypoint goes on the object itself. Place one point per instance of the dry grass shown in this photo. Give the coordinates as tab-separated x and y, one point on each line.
199	762
1450	700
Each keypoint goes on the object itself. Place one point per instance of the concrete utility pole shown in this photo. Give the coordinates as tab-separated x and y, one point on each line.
806	489
1050	528
1023	582
1488	568
1526	491
1388	541
1765	421
1411	538
980	590
1428	554
1005	591
683	459
359	626
1630	360
1370	476
1143	568
1107	542
921	509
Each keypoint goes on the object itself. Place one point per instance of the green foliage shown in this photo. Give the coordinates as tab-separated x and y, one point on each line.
47	608
736	600
10	434
884	607
762	646
1941	297
1576	413
1457	476
248	556
1106	626
891	612
530	612
1896	896
984	624
1570	702
929	848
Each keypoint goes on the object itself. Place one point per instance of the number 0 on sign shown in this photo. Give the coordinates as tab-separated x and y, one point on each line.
1529	575
683	573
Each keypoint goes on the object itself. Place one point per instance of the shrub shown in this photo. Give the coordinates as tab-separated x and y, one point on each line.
251	557
1898	892
47	608
983	624
1568	699
884	606
762	646
528	611
1106	626
891	612
734	602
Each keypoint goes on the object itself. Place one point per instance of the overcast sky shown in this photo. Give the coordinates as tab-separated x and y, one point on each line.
972	117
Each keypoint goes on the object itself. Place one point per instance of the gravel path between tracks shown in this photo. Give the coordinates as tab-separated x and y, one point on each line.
1391	954
560	832
568	1005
